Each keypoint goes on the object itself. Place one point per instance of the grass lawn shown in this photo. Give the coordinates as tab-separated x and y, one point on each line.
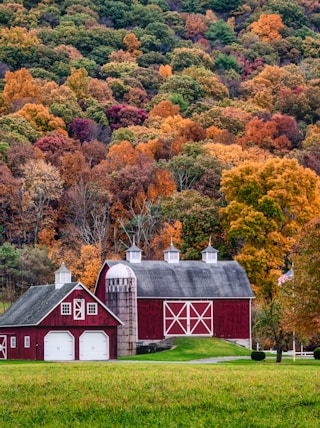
187	349
98	395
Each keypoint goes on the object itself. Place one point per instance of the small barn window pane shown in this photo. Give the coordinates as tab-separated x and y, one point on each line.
92	309
27	341
13	342
65	308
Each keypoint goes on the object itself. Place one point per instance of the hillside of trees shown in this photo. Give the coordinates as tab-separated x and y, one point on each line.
156	119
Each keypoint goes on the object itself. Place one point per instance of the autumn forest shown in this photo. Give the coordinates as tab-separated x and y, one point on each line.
160	119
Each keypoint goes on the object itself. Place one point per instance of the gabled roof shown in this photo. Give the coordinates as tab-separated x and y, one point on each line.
38	301
189	279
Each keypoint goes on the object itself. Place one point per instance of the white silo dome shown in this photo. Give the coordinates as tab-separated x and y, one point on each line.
120	271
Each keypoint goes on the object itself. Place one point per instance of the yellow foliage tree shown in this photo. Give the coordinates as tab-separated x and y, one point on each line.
18	36
268	204
40	118
88	265
78	82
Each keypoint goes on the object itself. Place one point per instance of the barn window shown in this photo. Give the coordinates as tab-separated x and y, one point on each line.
13	342
65	308
92	308
27	341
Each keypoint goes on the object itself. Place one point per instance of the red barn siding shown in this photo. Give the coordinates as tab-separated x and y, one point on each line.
100	289
231	319
37	334
55	319
150	319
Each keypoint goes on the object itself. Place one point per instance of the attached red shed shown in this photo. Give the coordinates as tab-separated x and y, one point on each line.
161	299
59	322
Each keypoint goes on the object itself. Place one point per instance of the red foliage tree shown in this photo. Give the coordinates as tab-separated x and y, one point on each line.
83	129
122	116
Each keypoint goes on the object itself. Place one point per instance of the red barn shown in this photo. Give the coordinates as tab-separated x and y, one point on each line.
62	321
160	299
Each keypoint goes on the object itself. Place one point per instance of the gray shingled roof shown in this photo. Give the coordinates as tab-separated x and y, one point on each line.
189	279
35	304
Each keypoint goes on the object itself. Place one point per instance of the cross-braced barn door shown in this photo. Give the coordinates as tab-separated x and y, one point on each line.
191	318
3	347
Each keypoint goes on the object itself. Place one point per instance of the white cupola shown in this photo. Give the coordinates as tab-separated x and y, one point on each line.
133	254
62	276
172	254
210	254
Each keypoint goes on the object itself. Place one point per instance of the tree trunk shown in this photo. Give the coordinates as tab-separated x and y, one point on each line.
279	342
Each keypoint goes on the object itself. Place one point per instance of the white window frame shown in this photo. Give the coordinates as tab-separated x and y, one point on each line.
27	341
13	342
79	309
92	308
65	308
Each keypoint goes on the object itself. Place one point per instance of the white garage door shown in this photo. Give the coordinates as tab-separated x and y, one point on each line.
94	345
59	346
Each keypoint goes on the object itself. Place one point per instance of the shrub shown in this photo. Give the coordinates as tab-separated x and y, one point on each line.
258	355
316	354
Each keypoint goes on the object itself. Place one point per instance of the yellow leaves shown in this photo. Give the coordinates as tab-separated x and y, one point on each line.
268	26
312	136
78	82
40	118
18	36
270	203
233	154
88	266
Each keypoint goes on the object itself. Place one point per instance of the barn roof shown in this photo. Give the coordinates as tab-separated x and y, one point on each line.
38	301
189	279
35	304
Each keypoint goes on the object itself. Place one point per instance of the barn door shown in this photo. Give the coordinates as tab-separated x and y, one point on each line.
3	347
79	309
188	318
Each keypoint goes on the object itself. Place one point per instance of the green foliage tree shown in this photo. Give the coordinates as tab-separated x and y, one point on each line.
220	33
223	6
187	87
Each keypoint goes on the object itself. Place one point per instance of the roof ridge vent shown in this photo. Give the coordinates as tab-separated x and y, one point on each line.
172	254
133	254
62	276
210	254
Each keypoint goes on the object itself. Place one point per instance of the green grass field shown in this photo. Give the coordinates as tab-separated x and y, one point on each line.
168	393
187	349
160	395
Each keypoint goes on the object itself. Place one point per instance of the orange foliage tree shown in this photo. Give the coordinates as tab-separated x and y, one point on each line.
20	88
132	43
121	155
195	25
165	71
268	26
264	135
165	109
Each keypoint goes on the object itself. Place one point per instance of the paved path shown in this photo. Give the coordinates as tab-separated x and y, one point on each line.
202	361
